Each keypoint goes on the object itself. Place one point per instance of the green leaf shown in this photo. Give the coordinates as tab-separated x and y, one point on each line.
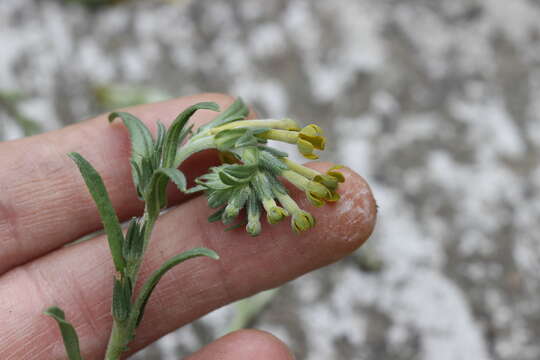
176	176
194	189
236	226
240	196
235	203
106	211
142	143
237	111
226	139
156	192
172	139
148	287
216	216
248	139
273	151
133	242
136	173
217	198
185	132
69	335
121	302
160	141
275	184
262	186
133	247
271	163
237	174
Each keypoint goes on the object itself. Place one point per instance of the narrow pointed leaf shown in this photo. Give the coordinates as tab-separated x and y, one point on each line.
172	139
141	139
176	176
136	173
271	163
248	139
237	111
142	145
273	151
162	131
195	189
216	216
69	335
121	302
236	226
185	132
106	211
156	196
140	304
129	240
160	141
225	140
240	171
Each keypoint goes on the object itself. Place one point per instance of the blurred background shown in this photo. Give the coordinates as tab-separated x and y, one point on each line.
433	102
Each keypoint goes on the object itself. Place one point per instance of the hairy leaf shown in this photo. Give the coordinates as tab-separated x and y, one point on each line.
69	335
142	143
148	287
160	141
156	192
172	139
236	111
121	302
216	216
273	151
271	163
106	211
226	139
176	176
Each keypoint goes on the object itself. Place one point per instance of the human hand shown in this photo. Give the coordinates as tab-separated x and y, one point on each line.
44	204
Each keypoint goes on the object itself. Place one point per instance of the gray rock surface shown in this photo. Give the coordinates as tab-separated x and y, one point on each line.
434	102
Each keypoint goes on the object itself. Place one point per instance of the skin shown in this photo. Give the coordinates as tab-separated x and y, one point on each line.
44	205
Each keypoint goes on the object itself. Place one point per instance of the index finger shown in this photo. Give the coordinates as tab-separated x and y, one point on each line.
44	202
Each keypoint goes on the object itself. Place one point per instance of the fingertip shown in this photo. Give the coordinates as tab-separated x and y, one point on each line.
245	345
350	221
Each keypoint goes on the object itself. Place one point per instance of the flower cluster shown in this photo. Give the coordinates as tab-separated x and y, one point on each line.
251	173
249	178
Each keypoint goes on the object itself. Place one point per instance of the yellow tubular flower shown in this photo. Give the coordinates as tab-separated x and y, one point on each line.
274	213
316	193
311	137
300	220
307	140
283	124
330	180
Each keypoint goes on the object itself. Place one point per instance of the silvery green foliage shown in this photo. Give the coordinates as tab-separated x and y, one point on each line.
251	171
250	177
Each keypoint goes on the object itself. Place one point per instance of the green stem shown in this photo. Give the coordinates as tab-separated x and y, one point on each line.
118	341
192	147
123	332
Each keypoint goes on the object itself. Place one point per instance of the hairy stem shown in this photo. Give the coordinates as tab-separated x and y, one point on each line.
192	147
123	332
118	341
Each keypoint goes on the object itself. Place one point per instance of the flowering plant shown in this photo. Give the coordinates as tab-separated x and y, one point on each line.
249	177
